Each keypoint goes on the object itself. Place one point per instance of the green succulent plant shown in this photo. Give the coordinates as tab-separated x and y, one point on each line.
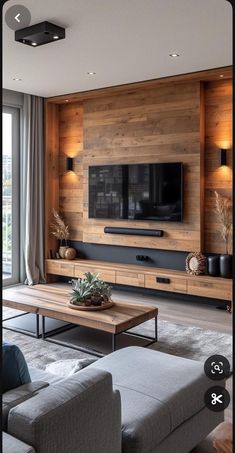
90	290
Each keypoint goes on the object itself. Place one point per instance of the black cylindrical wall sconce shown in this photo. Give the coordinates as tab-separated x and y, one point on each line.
69	164
223	157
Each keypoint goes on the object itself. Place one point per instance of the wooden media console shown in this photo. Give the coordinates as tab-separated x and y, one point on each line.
145	277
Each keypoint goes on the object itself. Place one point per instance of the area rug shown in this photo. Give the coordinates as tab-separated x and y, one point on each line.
180	340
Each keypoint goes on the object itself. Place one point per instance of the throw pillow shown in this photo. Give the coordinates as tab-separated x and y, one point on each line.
14	367
68	367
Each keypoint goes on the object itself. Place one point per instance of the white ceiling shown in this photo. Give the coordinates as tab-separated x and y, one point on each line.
123	41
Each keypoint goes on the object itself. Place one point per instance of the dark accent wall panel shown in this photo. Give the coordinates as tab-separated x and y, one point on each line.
156	258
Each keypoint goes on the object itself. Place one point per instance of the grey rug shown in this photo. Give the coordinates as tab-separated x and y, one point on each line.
180	340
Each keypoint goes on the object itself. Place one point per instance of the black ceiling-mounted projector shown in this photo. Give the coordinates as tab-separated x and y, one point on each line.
39	34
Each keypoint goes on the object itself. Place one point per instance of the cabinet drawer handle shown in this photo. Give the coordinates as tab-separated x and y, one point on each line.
163	280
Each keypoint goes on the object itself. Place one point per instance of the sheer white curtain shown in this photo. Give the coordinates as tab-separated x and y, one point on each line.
32	191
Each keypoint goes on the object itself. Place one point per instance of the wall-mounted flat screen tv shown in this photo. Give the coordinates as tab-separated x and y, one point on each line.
137	192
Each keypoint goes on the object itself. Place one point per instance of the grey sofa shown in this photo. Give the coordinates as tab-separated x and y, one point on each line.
161	409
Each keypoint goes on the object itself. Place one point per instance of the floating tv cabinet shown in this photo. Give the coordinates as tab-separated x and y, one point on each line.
145	277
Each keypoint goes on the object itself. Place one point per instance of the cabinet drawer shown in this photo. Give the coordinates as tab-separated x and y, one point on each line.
130	278
108	275
175	284
57	268
214	289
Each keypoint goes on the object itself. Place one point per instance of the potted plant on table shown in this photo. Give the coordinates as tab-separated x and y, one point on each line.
224	214
61	232
90	293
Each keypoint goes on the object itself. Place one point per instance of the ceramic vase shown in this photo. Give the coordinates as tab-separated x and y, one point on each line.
62	250
226	266
213	265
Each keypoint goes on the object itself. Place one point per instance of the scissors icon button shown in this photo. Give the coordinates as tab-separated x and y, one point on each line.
217	398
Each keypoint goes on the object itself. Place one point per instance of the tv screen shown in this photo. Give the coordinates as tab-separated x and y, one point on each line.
136	192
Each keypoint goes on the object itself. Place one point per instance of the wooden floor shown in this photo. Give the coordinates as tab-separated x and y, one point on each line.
180	312
207	317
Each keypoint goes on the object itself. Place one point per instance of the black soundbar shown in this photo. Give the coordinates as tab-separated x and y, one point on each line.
133	231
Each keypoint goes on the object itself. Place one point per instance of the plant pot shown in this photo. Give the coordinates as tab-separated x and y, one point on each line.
62	250
213	265
226	266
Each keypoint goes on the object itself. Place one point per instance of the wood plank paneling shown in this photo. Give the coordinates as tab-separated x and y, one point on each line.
218	134
71	183
144	122
155	125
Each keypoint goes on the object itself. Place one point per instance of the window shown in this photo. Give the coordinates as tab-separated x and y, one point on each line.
10	194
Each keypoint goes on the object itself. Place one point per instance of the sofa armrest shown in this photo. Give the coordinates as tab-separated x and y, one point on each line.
12	445
79	414
17	396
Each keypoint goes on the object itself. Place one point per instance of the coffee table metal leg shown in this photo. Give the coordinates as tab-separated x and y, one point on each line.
156	331
145	337
37	326
43	328
113	342
35	334
48	336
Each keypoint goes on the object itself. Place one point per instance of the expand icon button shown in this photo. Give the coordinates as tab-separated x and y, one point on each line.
217	367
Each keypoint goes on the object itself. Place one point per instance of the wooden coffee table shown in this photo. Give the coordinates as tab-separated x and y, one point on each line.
51	301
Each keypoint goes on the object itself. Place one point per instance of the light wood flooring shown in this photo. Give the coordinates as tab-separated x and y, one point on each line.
180	312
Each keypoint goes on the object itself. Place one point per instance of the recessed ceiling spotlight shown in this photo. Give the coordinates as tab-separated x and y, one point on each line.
91	73
173	55
33	44
17	79
66	100
55	37
221	75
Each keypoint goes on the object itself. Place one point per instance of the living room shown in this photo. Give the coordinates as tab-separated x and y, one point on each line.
117	226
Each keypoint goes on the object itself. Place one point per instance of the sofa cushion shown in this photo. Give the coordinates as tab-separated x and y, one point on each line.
158	391
16	396
14	367
13	445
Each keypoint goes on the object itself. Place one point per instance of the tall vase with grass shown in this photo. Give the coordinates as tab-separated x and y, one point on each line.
224	214
61	232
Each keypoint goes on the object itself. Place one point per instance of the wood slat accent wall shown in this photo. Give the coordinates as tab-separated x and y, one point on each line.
155	125
148	123
218	110
71	183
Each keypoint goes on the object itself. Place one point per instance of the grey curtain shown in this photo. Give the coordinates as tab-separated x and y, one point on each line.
32	193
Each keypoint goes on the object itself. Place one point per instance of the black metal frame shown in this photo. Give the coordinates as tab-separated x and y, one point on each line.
35	334
54	331
47	337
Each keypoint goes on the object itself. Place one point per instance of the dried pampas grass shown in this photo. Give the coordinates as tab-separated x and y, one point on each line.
224	214
59	229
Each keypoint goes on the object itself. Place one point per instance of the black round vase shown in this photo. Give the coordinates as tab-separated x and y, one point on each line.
213	265
225	266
